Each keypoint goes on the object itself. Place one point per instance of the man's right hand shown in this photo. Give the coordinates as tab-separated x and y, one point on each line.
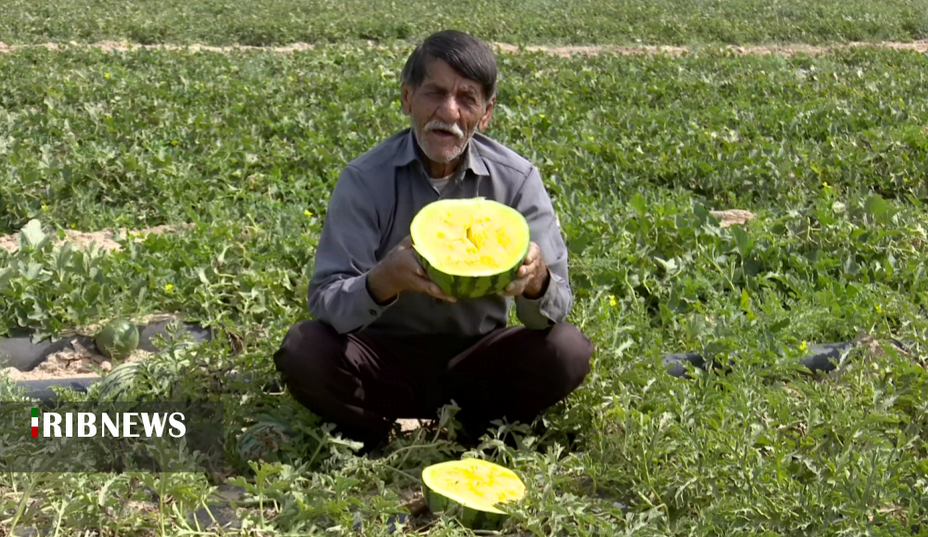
400	271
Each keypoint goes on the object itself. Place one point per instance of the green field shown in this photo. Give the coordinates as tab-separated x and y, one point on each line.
533	21
828	151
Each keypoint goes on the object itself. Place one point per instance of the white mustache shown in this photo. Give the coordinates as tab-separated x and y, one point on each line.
438	124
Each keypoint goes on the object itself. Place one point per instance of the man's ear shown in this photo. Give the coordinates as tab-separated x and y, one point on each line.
405	98
485	120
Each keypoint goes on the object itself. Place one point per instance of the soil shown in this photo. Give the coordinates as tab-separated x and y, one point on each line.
732	217
76	362
507	48
82	239
412	425
80	361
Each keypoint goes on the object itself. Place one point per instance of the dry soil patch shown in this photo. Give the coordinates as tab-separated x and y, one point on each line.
506	48
733	217
75	362
78	361
106	240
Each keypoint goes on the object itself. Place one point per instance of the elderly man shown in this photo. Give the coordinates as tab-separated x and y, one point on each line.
386	343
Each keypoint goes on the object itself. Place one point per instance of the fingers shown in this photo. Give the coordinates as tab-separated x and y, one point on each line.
419	281
533	257
531	262
418	270
515	287
529	258
425	285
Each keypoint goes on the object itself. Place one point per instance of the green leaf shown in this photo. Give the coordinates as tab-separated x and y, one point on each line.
6	274
32	235
876	205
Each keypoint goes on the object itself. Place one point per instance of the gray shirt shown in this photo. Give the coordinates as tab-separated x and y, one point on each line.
370	210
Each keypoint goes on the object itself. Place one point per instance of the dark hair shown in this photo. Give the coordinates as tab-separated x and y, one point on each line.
467	55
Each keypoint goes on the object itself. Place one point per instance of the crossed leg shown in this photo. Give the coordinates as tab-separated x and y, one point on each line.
363	383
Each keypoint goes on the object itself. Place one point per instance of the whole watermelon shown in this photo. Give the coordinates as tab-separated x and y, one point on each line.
119	381
118	339
262	440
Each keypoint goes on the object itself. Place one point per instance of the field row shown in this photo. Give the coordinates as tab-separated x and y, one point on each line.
94	139
663	22
567	51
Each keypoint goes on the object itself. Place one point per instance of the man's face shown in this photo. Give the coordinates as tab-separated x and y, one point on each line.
445	111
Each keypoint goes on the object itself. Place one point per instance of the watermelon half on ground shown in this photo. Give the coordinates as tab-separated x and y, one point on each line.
470	247
472	490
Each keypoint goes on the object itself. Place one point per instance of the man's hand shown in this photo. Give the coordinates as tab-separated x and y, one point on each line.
533	276
400	271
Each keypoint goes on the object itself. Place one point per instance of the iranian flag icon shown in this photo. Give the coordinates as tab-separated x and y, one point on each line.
35	422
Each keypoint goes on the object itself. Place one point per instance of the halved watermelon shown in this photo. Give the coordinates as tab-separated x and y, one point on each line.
470	247
472	490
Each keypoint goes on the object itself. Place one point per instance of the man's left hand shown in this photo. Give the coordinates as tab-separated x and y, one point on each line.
532	277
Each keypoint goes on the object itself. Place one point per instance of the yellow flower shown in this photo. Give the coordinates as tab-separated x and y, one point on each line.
612	300
826	185
307	213
804	346
169	287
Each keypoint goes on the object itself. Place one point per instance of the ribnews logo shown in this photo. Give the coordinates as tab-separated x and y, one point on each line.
113	424
105	436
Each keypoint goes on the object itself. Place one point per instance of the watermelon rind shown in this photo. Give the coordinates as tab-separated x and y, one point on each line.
262	440
476	515
473	283
119	381
118	339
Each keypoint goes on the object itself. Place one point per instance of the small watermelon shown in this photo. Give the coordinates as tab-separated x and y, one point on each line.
118	339
472	490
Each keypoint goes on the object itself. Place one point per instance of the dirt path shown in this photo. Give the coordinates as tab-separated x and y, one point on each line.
106	240
506	48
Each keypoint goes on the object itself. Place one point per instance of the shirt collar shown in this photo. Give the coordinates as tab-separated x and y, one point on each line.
472	161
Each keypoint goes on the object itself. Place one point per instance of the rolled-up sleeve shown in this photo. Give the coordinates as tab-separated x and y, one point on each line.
338	293
554	305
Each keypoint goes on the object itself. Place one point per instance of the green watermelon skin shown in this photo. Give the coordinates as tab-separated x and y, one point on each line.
115	384
259	441
118	339
469	287
470	518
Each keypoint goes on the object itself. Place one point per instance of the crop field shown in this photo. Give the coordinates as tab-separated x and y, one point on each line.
743	204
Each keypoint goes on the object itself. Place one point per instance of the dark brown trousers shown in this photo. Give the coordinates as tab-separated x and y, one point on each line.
363	383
